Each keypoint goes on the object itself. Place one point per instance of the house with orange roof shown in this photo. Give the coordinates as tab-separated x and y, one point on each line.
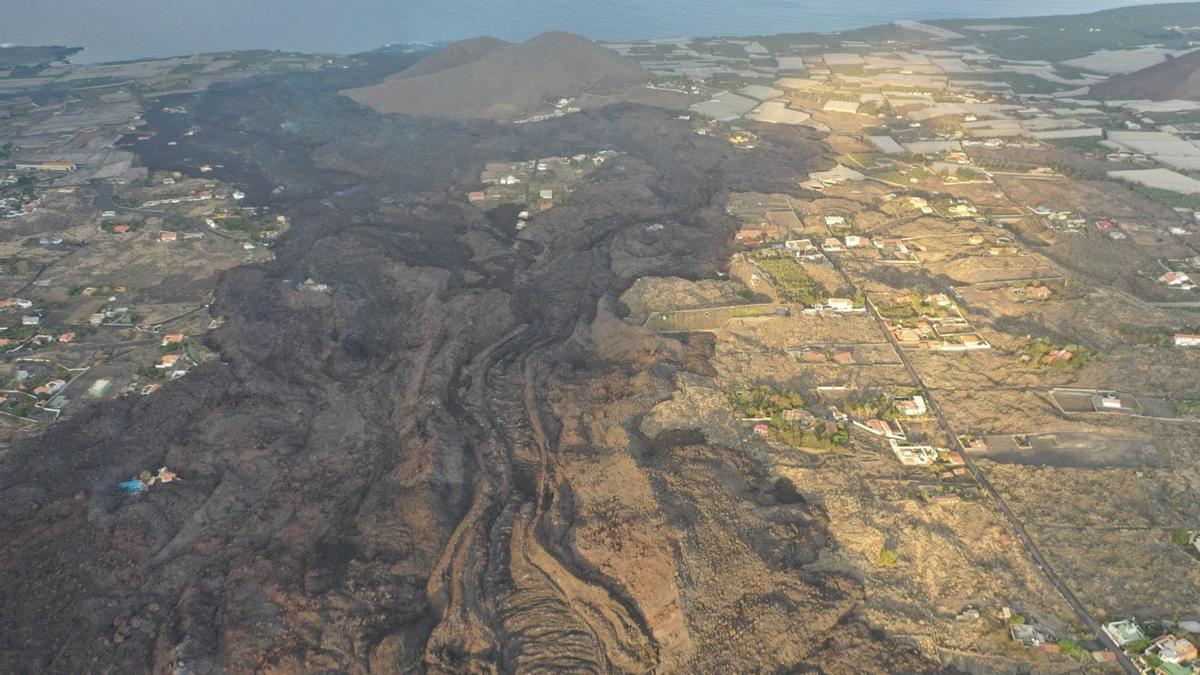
1038	293
50	388
1059	355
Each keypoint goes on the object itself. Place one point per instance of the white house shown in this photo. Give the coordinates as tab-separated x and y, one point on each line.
840	304
913	407
1187	340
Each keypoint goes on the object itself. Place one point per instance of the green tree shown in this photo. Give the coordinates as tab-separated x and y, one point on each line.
1181	537
1072	649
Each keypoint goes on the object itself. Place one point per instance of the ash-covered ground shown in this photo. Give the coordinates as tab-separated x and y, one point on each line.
436	467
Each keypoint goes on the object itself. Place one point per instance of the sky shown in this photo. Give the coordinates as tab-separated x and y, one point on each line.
125	29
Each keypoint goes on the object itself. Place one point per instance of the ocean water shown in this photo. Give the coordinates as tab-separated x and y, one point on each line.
125	29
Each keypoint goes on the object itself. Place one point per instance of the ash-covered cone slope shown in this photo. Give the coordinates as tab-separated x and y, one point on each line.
492	79
1175	78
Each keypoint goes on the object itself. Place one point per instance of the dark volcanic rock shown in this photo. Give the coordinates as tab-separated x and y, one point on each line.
392	477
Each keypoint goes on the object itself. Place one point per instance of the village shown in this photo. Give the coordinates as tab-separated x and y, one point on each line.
991	239
987	298
108	269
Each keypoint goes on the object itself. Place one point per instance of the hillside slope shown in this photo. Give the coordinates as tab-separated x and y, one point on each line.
457	54
1174	78
483	79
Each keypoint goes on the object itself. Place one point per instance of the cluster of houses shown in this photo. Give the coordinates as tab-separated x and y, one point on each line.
753	237
937	334
540	183
37	385
1177	280
30	321
1168	654
928	88
25	202
173	365
907	452
834	306
112	316
15	207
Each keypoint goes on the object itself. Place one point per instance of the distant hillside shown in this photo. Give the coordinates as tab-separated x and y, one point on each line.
1070	36
457	54
493	79
1174	78
14	57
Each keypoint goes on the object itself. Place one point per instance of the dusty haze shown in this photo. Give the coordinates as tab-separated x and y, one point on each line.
175	27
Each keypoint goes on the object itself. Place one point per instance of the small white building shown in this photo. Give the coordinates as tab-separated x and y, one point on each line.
1187	340
913	455
840	304
832	245
913	407
1124	632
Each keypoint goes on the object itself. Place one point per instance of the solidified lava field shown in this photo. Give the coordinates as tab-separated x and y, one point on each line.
436	467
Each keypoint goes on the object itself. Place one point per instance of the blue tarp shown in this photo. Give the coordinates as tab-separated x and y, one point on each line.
132	487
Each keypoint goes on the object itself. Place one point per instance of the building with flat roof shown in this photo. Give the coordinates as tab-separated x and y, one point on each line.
1174	649
38	165
1187	340
1124	632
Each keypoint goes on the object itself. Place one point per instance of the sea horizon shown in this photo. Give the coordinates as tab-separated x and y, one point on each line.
108	33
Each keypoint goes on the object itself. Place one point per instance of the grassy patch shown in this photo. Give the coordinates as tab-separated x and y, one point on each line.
788	422
1042	353
1073	650
791	279
1077	143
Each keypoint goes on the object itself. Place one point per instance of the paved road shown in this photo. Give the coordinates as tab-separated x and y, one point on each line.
1017	526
